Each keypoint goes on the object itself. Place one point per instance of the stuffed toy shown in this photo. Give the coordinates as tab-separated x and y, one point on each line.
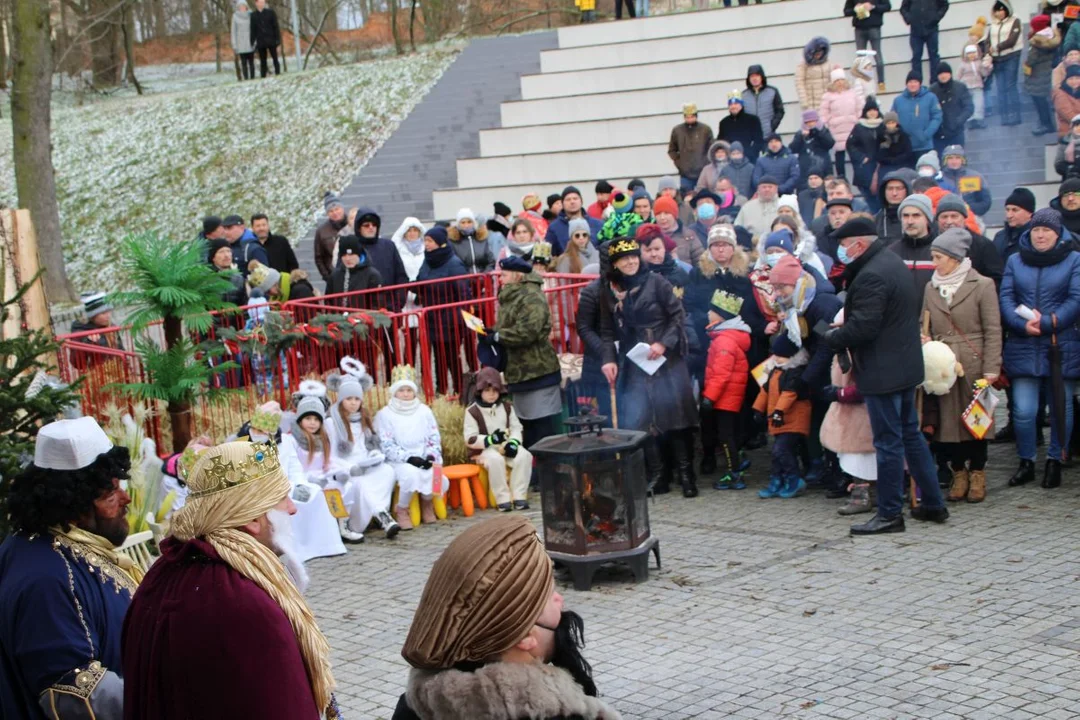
942	369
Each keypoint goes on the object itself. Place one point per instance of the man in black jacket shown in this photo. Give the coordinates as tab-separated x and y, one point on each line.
278	248
265	35
1019	207
880	334
741	126
957	107
923	16
867	17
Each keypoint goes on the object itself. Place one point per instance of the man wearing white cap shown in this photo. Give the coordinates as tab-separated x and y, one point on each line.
64	590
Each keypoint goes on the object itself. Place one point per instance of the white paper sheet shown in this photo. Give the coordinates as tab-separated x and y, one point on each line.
639	354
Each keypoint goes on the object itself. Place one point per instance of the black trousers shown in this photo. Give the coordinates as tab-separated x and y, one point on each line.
629	7
262	60
247	65
969	454
533	431
720	431
785	453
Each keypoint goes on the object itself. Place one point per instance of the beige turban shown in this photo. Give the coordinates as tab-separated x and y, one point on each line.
230	485
483	596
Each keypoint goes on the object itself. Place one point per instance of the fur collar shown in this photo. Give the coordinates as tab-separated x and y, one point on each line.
739	266
455	235
502	691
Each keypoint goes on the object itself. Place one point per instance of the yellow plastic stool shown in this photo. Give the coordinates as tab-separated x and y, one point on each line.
487	486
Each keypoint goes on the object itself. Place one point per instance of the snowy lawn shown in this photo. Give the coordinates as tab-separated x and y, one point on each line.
274	146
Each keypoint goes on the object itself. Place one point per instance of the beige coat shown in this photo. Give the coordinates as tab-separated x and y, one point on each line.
811	83
846	427
974	313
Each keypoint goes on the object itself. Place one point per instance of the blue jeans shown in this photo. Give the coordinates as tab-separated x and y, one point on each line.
642	7
1025	406
686	184
895	424
930	42
1006	74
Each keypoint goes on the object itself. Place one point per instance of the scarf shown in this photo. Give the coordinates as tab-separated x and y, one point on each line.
735	323
947	285
1034	258
439	256
404	407
872	123
101	555
414	246
520	249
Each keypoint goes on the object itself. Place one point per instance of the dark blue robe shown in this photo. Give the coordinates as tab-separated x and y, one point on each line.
46	637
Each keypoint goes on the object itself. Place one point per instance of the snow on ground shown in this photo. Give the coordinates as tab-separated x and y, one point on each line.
163	161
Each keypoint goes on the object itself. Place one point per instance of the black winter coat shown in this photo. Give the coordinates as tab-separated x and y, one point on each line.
265	32
813	150
986	259
280	253
916	256
1007	243
923	16
881	323
649	313
746	129
588	329
874	20
362	277
862	150
957	107
439	264
896	154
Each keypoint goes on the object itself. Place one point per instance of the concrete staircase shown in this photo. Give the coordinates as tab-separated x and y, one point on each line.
605	100
420	156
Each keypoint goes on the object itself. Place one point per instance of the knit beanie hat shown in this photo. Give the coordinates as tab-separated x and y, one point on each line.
1071	185
920	202
837	74
570	190
665	204
1021	197
734	97
603	186
787	271
635	184
944	67
210	223
913	75
349	245
1039	23
768	180
891	117
783	347
261	278
465	214
640	193
810	116
438	234
870	104
722	233
578	225
970	49
737	147
779	239
552	199
216	245
789	201
502	209
331	201
310	406
953	151
929	158
954	242
952	203
621	201
1047	218
667	182
1072	71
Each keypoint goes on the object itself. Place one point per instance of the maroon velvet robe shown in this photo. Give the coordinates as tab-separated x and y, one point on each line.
203	642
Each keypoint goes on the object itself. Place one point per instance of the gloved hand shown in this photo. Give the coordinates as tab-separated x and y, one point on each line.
357	470
706	404
417	461
496	438
510	450
777	418
341	477
830	394
429	462
759	419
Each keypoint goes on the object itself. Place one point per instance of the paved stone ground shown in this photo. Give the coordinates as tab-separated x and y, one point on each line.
768	609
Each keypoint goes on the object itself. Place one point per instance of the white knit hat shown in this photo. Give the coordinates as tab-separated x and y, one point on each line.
70	444
837	74
723	233
789	201
465	213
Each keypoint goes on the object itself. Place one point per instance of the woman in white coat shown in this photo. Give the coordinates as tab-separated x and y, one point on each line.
365	480
410	437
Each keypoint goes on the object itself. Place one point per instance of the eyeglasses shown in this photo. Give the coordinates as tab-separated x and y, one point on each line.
584	235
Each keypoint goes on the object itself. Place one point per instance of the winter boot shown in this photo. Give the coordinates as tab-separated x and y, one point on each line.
348	535
723	482
403	518
960	484
793	485
977	486
1052	474
859	502
684	463
654	468
1024	475
773	490
390	527
427	511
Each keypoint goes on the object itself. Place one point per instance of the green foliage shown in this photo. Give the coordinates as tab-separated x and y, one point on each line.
177	374
170	279
278	331
27	399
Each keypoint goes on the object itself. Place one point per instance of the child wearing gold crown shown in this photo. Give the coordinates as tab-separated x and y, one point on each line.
365	479
726	373
410	437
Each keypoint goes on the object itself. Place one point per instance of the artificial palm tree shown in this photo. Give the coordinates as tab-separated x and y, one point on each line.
172	282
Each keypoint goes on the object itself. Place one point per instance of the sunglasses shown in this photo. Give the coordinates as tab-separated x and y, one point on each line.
584	235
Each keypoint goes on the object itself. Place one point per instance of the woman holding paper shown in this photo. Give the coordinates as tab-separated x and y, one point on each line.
642	313
962	309
1040	305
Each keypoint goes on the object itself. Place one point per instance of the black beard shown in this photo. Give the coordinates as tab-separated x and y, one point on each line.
569	640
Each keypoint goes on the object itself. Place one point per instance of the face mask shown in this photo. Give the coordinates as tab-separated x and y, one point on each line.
842	255
706	211
773	258
926	172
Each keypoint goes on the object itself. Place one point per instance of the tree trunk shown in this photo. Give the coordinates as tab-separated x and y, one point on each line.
161	25
31	121
217	51
101	26
179	412
196	14
394	28
412	26
128	29
3	51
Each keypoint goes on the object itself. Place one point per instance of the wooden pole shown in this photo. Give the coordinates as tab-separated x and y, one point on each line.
614	410
20	251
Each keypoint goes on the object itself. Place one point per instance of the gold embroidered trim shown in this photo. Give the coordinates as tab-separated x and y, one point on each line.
262	461
96	563
86	681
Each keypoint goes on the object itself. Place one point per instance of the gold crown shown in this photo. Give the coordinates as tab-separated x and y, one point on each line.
727	302
541	251
258	275
406	373
734	95
259	461
266	420
623	246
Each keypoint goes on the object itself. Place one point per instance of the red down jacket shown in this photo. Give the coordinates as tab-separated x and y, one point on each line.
726	369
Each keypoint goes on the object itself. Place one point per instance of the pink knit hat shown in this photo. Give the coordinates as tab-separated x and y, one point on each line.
787	271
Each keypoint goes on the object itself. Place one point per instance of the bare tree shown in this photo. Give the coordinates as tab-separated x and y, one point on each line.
31	123
394	28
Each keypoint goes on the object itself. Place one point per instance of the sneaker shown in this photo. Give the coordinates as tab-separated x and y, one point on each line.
390	527
348	535
521	505
773	490
505	507
930	514
792	486
737	482
723	482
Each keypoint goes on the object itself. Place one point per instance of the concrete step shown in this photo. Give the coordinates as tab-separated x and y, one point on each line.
734	39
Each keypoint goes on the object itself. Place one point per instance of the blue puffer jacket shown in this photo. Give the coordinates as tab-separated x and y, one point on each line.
1051	289
782	167
980	200
920	117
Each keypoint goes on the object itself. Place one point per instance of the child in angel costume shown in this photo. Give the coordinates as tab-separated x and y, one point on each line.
410	438
363	476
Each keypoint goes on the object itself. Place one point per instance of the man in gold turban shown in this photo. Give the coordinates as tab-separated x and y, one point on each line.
217	628
490	638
